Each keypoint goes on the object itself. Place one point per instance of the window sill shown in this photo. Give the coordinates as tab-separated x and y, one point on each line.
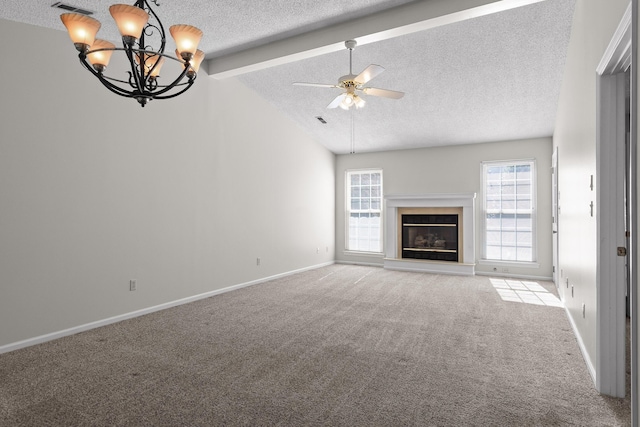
522	264
369	254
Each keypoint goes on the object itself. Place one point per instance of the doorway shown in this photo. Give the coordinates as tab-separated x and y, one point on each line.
613	201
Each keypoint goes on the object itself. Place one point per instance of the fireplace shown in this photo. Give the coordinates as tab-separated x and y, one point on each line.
433	237
430	233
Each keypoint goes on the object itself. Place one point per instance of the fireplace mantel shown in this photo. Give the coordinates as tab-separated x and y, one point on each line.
466	201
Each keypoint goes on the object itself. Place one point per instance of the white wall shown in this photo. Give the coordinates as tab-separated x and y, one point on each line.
182	195
455	169
575	137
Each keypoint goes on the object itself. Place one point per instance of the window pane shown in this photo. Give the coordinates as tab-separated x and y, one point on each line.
509	205
508	173
508	188
525	254
493	252
524	239
508	238
364	204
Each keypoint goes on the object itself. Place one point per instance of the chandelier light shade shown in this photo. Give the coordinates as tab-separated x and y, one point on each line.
82	29
129	19
197	60
143	44
101	54
187	39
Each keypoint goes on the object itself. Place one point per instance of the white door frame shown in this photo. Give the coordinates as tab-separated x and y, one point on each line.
610	212
555	196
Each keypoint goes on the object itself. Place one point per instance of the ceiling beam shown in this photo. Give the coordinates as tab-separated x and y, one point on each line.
395	22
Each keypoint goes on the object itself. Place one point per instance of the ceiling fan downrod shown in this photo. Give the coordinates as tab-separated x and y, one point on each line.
350	44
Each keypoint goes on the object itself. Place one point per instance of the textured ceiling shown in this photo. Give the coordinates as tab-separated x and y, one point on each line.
492	78
229	25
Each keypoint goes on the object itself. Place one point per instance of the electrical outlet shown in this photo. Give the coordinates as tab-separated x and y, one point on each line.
132	285
317	250
257	261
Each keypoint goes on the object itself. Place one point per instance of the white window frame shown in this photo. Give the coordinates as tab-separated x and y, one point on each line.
348	210
534	246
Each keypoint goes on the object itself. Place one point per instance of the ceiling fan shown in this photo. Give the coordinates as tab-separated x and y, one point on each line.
354	85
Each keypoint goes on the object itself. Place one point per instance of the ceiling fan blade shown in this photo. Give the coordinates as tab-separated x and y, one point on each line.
314	84
385	93
337	100
370	72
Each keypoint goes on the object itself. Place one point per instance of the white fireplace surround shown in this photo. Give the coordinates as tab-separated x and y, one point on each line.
466	201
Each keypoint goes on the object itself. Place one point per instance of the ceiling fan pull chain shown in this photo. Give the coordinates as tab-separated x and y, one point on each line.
353	133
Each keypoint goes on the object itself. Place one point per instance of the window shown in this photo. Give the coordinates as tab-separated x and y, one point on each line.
509	206
364	209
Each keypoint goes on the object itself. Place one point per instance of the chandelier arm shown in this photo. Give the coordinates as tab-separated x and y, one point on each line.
138	76
107	81
189	83
113	79
176	82
142	52
148	30
159	27
113	88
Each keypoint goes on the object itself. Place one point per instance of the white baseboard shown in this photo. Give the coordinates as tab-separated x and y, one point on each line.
92	325
585	355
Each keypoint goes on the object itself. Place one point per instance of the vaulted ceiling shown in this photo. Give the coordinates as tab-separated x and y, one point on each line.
472	70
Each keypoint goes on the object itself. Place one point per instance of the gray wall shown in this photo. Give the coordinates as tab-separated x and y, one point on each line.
575	137
182	195
456	169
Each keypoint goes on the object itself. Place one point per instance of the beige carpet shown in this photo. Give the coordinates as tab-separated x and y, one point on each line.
337	346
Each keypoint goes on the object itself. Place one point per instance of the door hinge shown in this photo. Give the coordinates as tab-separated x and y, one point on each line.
622	251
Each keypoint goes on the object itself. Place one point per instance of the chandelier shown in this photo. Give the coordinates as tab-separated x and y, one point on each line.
141	32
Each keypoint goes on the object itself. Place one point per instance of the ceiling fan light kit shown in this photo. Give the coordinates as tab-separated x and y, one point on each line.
137	24
353	85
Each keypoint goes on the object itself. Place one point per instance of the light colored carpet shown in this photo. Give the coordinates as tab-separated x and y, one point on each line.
337	346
